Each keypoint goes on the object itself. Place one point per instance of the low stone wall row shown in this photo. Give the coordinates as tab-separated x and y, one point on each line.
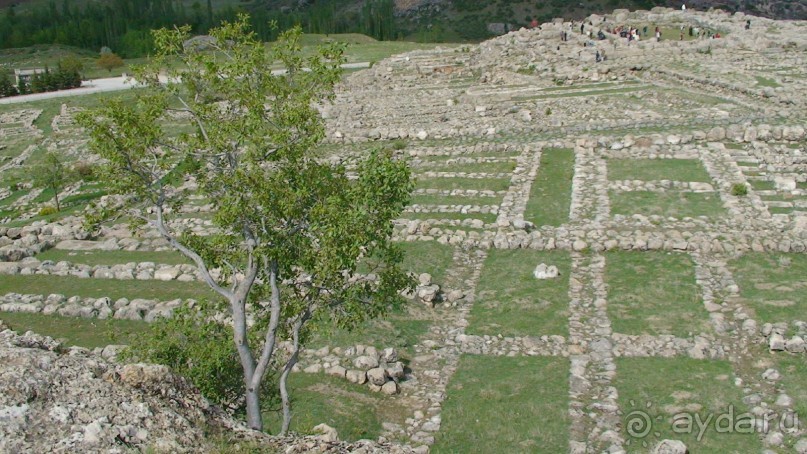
128	271
660	186
606	240
101	308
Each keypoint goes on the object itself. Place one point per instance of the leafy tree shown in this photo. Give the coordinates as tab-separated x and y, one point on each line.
6	87
109	61
292	227
52	174
72	64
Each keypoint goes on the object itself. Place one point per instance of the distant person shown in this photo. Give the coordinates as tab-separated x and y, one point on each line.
582	28
748	24
658	36
534	23
683	7
598	57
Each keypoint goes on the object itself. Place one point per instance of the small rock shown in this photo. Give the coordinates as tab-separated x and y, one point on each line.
327	433
670	447
377	376
390	388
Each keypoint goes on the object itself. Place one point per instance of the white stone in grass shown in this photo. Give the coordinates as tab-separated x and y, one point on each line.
670	447
326	433
544	271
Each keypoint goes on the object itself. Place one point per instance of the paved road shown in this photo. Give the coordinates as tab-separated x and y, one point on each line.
115	84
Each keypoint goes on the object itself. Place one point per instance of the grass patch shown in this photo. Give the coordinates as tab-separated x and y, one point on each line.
654	293
674	386
780	210
766	82
512	405
469	167
354	411
794	370
551	192
428	257
13	197
511	302
396	331
667	204
762	185
487	218
434	199
772	285
734	146
97	288
83	332
491	184
113	257
441	158
657	169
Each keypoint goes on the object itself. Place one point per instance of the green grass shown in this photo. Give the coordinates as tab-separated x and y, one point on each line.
507	405
677	386
772	285
12	198
487	218
551	192
766	82
780	210
354	411
97	288
762	185
470	167
667	204
398	331
434	199
657	169
654	293
83	332
113	257
441	158
428	257
794	370
734	146
492	184
511	302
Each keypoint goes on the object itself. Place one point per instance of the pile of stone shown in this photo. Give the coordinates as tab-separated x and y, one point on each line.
428	292
58	399
69	400
379	370
775	335
101	308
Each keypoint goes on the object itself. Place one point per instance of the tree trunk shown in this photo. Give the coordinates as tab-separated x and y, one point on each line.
254	418
284	396
284	393
56	197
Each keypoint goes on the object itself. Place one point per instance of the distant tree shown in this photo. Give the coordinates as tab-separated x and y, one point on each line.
6	87
52	174
292	228
109	61
71	63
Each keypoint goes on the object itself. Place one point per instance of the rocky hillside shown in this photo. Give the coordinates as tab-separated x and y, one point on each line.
58	399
